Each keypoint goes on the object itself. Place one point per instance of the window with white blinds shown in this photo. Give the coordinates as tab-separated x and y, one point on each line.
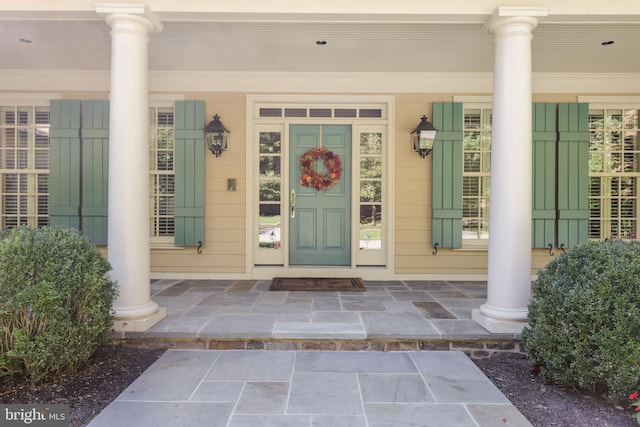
162	173
476	172
614	169
24	166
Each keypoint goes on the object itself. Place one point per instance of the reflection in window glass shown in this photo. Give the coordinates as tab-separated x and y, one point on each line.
269	166
370	191
371	143
371	167
270	142
269	190
269	226
371	227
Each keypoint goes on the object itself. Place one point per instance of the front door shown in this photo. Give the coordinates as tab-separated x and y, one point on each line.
320	219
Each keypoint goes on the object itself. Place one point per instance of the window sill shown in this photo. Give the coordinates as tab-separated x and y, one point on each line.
472	249
165	246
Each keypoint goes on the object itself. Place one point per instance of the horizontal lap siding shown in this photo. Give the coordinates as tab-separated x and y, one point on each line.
224	231
413	202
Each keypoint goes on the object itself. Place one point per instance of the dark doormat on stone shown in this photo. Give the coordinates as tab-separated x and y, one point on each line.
315	284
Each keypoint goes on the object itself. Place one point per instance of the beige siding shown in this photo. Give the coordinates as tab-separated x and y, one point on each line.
412	186
224	251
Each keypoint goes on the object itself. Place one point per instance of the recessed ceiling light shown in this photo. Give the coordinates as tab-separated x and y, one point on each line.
321	42
607	43
25	40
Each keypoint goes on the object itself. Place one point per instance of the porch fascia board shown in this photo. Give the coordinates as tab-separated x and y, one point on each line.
356	10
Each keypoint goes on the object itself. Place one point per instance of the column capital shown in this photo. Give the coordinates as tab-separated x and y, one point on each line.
504	17
138	12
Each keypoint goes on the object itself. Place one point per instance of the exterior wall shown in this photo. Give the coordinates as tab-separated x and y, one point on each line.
225	250
413	246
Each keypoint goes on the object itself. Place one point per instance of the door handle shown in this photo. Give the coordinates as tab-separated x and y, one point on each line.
292	202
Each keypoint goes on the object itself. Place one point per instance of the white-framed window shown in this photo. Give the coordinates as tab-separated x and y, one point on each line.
614	170
270	184
162	174
476	173
371	172
24	165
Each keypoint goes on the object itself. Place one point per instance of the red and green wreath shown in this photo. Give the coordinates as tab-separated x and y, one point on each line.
320	181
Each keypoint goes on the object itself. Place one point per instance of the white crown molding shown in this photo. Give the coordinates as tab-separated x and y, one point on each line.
317	83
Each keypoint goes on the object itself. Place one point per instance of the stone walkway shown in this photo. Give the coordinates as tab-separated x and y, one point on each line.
275	381
321	389
388	310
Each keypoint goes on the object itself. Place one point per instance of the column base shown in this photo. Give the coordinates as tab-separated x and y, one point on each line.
140	324
498	326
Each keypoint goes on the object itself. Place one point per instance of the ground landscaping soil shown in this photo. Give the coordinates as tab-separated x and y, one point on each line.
113	368
547	405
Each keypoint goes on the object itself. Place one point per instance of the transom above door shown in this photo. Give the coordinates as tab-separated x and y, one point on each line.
345	225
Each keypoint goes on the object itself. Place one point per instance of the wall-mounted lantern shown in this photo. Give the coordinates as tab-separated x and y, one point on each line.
423	136
217	136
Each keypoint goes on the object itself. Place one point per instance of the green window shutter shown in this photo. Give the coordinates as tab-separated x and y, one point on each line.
544	175
64	164
573	174
447	175
189	173
95	168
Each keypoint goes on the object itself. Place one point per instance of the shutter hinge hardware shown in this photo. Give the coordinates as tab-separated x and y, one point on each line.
435	246
199	249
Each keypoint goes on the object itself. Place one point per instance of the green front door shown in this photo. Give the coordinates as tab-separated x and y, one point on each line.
320	220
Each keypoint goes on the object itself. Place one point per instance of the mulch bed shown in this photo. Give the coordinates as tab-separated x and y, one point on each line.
88	390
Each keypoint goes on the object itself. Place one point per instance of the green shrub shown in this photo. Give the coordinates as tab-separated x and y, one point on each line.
55	301
585	319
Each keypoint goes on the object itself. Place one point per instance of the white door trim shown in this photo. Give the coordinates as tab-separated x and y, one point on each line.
371	272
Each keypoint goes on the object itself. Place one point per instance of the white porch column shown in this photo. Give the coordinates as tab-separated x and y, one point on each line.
509	284
128	235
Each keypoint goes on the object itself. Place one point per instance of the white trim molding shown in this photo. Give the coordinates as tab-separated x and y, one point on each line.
318	83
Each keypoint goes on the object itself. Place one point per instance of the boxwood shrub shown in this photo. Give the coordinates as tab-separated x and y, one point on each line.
55	300
584	319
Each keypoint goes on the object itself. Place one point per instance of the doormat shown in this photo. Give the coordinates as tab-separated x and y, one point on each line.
315	284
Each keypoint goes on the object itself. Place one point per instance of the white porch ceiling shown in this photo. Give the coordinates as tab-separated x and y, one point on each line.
255	45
